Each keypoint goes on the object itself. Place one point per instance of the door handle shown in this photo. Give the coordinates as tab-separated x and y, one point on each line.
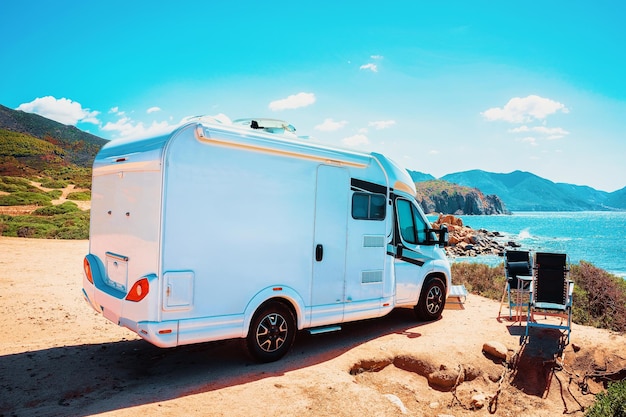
319	252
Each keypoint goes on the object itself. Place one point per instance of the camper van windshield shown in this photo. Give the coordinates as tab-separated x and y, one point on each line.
411	223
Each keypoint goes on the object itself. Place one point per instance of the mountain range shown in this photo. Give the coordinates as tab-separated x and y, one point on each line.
524	191
32	144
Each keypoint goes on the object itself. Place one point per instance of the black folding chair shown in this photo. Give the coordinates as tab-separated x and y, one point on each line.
518	271
551	293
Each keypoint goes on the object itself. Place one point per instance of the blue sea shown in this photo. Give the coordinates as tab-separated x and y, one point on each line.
593	236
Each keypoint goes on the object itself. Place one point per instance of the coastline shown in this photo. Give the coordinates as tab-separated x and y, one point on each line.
585	236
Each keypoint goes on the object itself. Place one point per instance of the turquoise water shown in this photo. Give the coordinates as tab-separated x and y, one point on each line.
596	237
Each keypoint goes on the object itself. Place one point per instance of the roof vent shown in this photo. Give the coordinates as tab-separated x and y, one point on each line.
275	126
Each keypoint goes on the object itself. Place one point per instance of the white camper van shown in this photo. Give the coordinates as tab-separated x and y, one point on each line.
228	231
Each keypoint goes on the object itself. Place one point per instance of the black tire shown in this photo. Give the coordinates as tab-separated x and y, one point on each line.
432	301
272	332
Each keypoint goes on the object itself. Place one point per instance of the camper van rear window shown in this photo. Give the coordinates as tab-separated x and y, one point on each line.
367	206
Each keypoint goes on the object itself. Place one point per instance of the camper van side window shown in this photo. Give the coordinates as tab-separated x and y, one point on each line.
368	206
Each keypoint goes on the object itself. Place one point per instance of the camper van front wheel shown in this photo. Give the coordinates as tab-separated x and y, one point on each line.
432	301
272	332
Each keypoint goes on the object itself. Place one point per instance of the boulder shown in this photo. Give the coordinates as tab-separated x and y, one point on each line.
496	350
465	241
444	378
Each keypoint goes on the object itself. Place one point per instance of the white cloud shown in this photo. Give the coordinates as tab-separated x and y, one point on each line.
355	140
126	128
153	109
129	129
549	132
222	118
293	101
382	124
116	110
522	110
530	140
521	129
329	125
372	67
62	110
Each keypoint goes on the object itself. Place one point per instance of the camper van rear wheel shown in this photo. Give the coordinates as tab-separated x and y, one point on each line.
432	301
272	332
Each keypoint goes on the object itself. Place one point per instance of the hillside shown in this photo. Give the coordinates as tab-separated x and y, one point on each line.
45	177
77	147
420	176
617	198
438	196
32	146
523	191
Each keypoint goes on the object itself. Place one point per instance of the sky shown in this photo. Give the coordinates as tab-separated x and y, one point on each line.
440	87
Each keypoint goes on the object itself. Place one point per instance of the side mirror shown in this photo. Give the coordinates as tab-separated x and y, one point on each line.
438	236
443	235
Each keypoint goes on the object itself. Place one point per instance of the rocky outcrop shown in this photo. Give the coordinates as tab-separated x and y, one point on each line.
465	241
442	197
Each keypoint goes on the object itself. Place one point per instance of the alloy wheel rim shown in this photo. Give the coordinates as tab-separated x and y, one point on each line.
271	332
434	299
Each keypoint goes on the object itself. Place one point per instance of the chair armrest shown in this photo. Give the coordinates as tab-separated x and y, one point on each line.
525	281
570	292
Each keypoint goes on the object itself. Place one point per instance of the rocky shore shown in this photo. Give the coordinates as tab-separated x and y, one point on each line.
465	241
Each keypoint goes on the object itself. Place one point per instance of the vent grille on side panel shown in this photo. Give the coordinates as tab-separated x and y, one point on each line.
373	241
368	277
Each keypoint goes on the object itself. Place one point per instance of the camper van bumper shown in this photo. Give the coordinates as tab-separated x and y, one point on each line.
162	334
88	300
184	332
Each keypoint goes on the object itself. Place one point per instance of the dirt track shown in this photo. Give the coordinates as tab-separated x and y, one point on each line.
58	357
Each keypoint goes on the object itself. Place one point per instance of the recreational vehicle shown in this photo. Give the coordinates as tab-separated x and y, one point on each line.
243	230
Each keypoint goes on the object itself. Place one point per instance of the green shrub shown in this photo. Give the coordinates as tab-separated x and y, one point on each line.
55	194
50	183
80	176
28	226
479	278
611	403
13	184
599	297
23	198
67	207
72	225
80	196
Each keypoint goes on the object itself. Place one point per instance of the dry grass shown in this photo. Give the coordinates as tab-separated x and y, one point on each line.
599	297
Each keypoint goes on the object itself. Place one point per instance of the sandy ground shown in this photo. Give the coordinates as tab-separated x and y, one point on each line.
59	357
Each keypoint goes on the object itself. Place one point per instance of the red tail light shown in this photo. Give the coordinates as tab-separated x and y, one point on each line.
87	269
139	290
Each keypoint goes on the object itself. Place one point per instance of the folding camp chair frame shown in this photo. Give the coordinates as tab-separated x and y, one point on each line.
517	296
563	311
